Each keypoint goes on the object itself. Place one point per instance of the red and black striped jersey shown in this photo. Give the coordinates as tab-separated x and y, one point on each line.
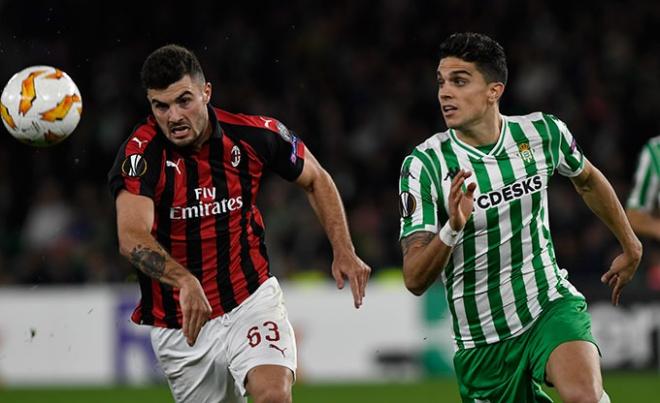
205	213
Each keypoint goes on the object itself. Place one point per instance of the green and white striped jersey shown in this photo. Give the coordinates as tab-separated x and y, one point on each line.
503	271
645	195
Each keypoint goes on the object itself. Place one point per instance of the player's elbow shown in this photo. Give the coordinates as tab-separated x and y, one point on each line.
127	242
413	282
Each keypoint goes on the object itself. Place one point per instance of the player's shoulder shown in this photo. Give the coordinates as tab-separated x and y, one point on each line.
530	117
144	134
654	142
241	119
554	124
433	142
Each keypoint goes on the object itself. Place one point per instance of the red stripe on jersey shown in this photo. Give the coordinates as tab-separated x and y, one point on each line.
178	247
247	120
236	275
160	186
300	149
207	235
158	309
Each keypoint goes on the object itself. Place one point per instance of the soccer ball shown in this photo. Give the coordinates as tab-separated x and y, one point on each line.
40	106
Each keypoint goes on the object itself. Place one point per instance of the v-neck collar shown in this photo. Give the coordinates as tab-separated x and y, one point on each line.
474	151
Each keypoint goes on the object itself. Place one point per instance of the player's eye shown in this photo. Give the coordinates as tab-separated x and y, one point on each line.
184	101
460	82
161	107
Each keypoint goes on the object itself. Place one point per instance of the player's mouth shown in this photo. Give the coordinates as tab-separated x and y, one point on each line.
179	132
448	110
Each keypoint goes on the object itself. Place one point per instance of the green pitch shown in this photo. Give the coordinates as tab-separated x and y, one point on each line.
622	388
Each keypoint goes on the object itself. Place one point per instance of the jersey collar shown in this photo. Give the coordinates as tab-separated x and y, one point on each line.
477	153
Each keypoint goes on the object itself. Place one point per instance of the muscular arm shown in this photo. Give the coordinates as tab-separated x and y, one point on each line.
599	195
643	223
135	215
326	202
424	254
424	258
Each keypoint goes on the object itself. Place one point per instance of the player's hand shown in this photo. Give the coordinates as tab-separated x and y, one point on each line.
460	203
195	308
620	273
355	270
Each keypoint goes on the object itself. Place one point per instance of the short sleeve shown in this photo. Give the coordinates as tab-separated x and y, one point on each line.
287	156
569	157
644	194
137	167
417	198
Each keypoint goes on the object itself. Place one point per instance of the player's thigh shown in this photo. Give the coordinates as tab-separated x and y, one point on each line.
261	335
196	373
564	320
497	373
574	369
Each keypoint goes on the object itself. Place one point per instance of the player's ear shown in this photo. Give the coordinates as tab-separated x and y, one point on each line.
206	94
495	91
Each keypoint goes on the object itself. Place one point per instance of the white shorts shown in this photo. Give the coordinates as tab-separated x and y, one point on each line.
257	332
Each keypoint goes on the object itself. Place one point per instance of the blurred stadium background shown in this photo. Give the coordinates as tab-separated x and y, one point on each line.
356	81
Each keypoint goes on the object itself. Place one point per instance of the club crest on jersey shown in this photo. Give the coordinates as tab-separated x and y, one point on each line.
235	156
407	205
525	153
134	166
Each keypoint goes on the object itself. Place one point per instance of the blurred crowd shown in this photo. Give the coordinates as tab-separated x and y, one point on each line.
355	80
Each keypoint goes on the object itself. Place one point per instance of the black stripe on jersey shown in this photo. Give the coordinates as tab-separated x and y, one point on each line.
258	230
216	158
251	275
193	224
164	238
152	153
146	314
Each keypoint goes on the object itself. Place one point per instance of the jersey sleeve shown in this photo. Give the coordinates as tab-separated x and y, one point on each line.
417	198
569	159
647	184
286	152
137	168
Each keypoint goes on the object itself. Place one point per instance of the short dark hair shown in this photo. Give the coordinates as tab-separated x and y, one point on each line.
167	65
487	55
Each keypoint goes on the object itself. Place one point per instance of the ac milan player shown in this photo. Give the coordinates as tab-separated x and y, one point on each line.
185	184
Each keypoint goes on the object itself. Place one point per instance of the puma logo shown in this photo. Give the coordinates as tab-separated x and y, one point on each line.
171	164
137	140
281	350
266	121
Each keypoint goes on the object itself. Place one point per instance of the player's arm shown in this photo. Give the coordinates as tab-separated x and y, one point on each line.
135	216
326	202
599	195
425	255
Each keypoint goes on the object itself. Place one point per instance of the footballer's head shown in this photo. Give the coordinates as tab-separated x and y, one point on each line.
178	94
472	74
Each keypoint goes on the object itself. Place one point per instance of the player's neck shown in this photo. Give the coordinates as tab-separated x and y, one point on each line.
197	145
483	132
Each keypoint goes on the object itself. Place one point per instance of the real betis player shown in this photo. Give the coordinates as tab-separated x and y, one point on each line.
474	212
644	200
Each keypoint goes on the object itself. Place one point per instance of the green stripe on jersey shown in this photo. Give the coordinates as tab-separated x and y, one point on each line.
493	254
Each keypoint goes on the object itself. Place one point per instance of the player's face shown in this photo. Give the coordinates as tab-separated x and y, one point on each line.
465	96
181	111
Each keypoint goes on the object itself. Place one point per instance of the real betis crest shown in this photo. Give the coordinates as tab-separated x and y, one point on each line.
525	153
